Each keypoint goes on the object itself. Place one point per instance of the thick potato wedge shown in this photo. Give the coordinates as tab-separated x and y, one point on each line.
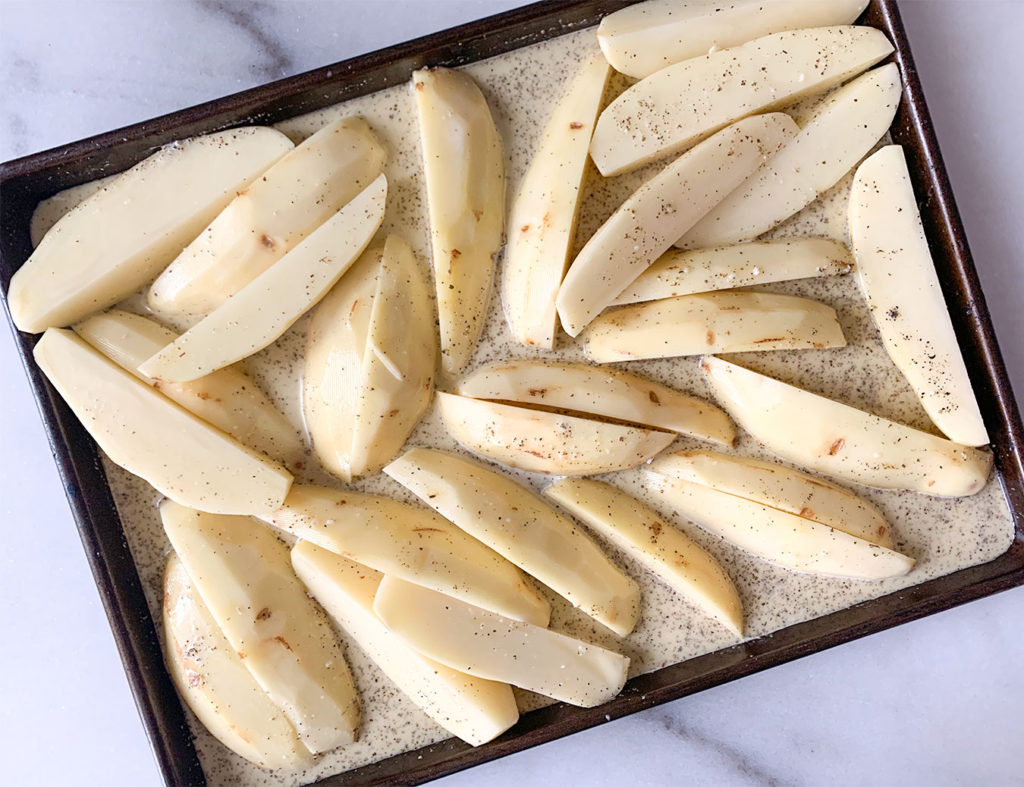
542	222
546	442
899	282
683	103
268	219
671	202
658	546
712	322
265	308
469	707
52	209
521	527
464	171
482	643
122	236
244	575
844	442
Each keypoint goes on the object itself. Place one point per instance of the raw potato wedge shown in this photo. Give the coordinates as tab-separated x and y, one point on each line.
215	683
677	559
471	708
677	272
646	37
542	222
683	103
268	219
243	574
838	135
52	209
521	527
841	441
410	542
779	537
464	171
546	442
122	236
368	372
265	308
712	322
140	429
228	398
663	208
489	646
898	278
604	392
780	487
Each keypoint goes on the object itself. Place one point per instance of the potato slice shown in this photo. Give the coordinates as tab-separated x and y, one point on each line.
471	708
521	527
123	235
268	219
844	442
543	217
410	542
228	398
779	537
899	282
214	682
683	103
677	272
269	305
712	322
546	442
464	171
147	434
671	202
780	487
658	546
646	37
52	209
243	574
489	646
607	392
838	135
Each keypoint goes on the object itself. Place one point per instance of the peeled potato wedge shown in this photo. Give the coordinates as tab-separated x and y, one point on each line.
268	219
842	441
546	442
658	546
712	322
521	527
683	103
471	708
487	645
122	236
662	209
52	209
270	304
464	172
897	276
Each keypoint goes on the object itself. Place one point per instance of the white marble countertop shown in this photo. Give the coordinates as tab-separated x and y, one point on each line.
935	702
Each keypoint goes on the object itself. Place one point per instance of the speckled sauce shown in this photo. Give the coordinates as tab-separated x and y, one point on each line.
944	535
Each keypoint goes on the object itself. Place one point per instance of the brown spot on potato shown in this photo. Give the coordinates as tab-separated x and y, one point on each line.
283	641
710	337
575	125
836	447
653	397
267	241
456	254
263	614
807	513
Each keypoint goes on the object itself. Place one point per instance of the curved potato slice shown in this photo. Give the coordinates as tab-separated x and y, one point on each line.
52	209
465	179
481	643
899	282
215	683
607	392
842	441
545	442
471	708
521	527
122	236
243	574
658	546
712	322
412	543
683	103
